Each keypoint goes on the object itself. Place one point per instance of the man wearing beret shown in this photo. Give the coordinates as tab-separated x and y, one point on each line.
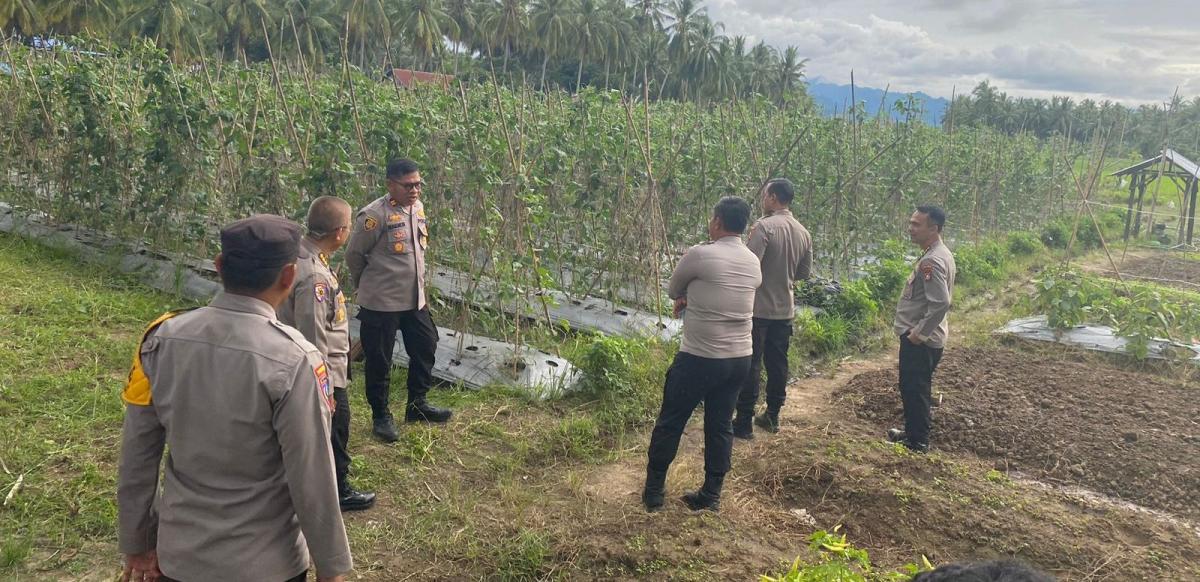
386	256
243	402
317	308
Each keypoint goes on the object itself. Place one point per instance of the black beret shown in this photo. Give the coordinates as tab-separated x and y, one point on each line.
262	241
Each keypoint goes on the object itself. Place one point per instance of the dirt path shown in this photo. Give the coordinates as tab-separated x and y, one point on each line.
827	467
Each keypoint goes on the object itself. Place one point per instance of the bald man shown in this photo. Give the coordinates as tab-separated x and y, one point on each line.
317	308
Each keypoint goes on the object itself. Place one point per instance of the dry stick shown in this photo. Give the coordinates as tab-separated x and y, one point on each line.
947	155
478	277
358	130
975	192
312	111
657	223
1166	137
1083	205
254	121
519	170
226	160
287	110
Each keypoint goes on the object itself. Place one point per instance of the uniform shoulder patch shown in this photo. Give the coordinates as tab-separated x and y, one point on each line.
321	291
321	371
927	269
137	386
370	223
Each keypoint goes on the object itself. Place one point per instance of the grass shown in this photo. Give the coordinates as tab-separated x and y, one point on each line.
67	333
513	489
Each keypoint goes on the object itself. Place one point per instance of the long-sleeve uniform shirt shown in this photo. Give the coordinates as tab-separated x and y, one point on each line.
785	249
927	296
718	279
243	403
386	256
317	308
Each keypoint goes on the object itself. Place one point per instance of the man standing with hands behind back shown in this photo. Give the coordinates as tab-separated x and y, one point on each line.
784	248
386	256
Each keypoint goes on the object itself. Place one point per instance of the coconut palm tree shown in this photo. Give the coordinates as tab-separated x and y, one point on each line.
76	16
466	33
686	17
20	15
425	24
505	23
173	24
790	72
366	20
551	25
244	20
309	26
592	30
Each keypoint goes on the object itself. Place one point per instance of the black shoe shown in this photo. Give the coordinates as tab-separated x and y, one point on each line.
655	490
769	421
743	428
921	448
709	495
895	435
425	412
700	501
385	429
351	500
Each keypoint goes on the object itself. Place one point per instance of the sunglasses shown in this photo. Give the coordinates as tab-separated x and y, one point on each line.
410	185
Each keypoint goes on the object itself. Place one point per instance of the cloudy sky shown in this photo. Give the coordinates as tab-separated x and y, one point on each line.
1132	51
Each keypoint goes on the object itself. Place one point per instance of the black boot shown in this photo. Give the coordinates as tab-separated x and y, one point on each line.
422	411
743	428
895	435
385	429
351	500
655	489
709	496
768	420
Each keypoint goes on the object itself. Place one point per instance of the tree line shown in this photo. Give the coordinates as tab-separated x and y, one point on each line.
1143	129
666	49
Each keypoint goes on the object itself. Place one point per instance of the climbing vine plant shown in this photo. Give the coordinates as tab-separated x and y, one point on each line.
589	193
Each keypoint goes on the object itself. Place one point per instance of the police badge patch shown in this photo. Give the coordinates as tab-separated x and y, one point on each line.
322	374
321	291
927	270
370	224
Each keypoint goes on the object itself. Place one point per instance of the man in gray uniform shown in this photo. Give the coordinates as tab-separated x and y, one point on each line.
713	285
317	308
784	248
921	324
386	256
243	402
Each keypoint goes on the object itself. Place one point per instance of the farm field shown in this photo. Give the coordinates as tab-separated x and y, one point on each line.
1043	454
584	188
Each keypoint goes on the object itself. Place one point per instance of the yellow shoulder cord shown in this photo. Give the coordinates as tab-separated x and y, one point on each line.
137	388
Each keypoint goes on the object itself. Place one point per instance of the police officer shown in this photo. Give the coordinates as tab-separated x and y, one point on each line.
713	285
317	308
921	324
386	256
244	403
784	248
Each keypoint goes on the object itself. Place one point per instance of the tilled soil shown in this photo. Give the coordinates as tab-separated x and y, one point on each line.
1173	271
1135	437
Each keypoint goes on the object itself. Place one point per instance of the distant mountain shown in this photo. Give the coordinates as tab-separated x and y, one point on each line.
833	99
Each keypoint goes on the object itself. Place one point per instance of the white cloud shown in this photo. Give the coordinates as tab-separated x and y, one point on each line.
1102	49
